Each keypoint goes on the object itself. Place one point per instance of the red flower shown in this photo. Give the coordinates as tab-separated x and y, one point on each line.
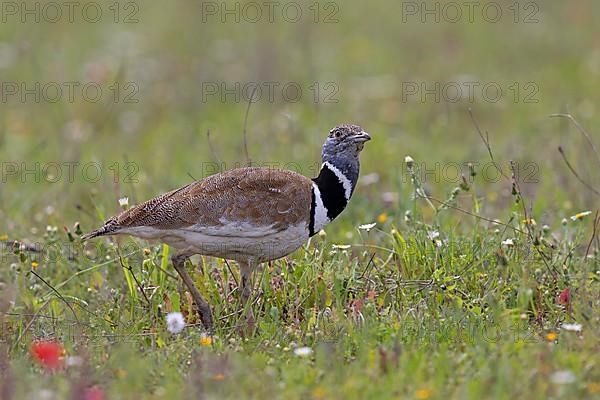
564	298
47	353
94	393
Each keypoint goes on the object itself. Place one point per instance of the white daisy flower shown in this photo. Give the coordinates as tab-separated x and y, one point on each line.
580	215
341	246
73	361
303	351
433	235
571	327
562	377
367	227
508	242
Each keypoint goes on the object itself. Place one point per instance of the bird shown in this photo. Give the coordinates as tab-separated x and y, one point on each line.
249	215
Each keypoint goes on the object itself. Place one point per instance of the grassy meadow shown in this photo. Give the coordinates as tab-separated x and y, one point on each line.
470	269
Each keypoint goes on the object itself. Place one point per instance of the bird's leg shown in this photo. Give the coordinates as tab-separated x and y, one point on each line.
246	269
203	307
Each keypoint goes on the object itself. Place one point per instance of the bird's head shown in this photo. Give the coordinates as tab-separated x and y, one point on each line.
345	141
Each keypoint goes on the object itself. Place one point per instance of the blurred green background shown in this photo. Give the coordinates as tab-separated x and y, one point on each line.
353	61
387	310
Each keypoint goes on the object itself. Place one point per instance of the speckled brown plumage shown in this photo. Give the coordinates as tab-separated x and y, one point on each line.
250	215
258	196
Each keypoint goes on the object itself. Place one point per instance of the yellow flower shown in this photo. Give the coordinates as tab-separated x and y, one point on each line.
580	215
319	393
381	218
593	387
529	221
551	336
4	237
205	340
121	373
218	377
34	265
423	394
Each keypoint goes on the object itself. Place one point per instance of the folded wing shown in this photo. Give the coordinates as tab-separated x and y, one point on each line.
242	200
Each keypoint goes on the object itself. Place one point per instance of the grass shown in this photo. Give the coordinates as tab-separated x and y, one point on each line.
455	292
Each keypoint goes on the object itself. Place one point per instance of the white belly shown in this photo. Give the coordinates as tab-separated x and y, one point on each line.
235	243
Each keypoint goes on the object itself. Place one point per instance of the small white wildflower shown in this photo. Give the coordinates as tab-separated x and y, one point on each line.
508	242
562	377
408	160
389	197
580	215
367	227
73	361
124	201
341	246
303	351
45	394
572	327
322	233
433	235
175	322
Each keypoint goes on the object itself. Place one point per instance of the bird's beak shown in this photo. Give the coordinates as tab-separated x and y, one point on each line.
361	137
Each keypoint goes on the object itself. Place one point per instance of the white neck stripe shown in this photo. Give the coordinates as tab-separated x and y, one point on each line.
321	218
342	178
